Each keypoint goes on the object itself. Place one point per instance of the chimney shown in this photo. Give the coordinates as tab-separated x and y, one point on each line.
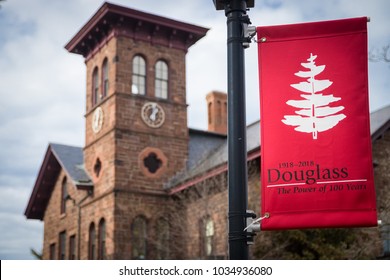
217	112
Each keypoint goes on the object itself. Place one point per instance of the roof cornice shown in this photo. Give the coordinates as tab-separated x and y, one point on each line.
125	21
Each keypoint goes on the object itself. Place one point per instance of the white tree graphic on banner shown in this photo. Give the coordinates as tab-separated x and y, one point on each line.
315	116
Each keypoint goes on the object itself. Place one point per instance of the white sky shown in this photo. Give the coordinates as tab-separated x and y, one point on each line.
42	86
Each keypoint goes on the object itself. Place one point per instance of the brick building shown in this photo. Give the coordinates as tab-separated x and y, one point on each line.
145	185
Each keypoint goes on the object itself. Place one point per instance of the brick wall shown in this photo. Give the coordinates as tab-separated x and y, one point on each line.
130	205
95	209
210	199
381	157
54	221
123	190
199	203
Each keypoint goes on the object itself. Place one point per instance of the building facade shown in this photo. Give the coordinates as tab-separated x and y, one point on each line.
145	186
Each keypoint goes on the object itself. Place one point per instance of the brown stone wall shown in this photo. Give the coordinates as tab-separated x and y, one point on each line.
125	140
104	151
132	135
108	51
54	221
101	145
381	157
95	209
128	206
368	243
210	199
127	48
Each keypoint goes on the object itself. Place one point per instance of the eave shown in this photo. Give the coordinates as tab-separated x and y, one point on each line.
113	20
45	182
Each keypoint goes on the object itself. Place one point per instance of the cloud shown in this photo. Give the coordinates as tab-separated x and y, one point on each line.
16	241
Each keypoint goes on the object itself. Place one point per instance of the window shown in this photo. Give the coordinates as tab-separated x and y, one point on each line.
139	76
97	167
64	195
139	238
105	78
72	247
92	242
207	237
95	86
161	80
209	233
62	245
385	230
102	240
162	230
152	163
52	251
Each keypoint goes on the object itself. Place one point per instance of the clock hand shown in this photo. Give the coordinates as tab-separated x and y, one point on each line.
96	121
152	116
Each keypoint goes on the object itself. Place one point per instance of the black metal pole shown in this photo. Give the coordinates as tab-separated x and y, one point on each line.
235	11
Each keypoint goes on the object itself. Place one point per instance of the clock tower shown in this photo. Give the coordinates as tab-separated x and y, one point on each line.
136	122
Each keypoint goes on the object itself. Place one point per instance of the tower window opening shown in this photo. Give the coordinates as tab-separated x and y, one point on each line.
152	163
97	167
161	79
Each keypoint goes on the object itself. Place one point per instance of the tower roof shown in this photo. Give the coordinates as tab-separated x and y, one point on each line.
113	20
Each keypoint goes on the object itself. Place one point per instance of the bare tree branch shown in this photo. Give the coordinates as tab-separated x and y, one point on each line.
377	55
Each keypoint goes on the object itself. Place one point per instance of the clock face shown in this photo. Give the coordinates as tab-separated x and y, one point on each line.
153	114
97	120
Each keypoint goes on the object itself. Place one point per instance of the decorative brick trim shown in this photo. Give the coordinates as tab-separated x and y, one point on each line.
152	162
97	171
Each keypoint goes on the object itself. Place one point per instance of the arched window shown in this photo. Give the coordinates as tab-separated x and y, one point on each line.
92	242
207	237
95	86
139	238
209	232
72	247
161	80
162	229
52	251
62	245
102	240
139	76
64	195
385	230
105	78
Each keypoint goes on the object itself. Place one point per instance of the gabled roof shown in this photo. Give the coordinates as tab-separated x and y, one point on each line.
202	143
57	157
215	160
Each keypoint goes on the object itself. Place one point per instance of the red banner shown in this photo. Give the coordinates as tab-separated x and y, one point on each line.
316	168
